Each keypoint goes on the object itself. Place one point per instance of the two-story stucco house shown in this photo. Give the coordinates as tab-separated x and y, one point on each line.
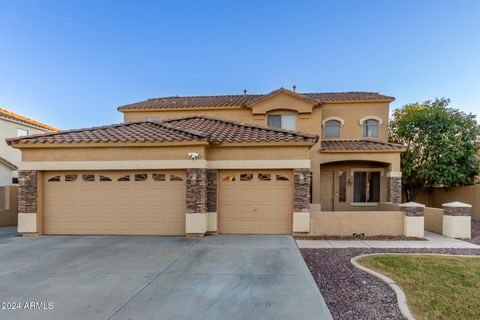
14	125
255	164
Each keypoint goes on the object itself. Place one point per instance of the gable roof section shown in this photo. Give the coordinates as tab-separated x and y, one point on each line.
235	101
200	128
7	163
359	145
9	115
304	97
220	130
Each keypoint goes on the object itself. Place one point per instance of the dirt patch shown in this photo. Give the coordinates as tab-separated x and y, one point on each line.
351	293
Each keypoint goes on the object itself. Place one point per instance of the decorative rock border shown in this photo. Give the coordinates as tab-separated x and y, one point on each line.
401	297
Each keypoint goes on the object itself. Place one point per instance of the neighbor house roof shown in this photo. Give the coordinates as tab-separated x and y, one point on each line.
182	129
8	163
359	145
245	100
9	115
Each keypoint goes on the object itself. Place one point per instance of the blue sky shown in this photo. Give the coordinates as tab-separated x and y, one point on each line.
72	63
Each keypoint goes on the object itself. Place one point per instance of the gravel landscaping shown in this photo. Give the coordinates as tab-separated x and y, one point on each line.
354	294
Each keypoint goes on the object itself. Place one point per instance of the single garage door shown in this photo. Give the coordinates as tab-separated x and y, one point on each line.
115	202
255	202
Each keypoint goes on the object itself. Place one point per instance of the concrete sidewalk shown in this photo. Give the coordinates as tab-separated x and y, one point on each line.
433	240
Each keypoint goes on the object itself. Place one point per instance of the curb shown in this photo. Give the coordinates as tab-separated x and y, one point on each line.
401	297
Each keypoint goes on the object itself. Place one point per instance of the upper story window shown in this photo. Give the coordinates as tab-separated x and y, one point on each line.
370	128
22	132
152	118
282	121
332	129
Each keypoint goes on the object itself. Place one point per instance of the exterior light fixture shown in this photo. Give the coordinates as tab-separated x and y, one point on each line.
301	179
193	179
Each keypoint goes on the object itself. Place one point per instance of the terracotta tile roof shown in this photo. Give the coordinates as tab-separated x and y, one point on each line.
141	131
8	163
19	118
220	130
248	99
359	145
181	129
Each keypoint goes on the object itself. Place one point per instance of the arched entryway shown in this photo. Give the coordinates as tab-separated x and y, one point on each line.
353	185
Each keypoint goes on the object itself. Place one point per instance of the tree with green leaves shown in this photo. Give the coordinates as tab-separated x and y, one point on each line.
442	146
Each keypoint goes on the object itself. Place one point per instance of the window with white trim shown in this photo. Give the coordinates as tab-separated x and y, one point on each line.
370	128
332	129
282	121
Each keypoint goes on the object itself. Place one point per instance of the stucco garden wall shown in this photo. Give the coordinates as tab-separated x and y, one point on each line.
346	223
465	194
433	219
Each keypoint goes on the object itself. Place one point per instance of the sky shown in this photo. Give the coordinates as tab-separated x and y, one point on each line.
72	63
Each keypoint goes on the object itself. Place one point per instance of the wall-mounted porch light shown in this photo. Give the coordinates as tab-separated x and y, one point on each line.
193	179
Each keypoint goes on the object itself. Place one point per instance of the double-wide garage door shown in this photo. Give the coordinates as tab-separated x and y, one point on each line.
153	202
255	202
115	202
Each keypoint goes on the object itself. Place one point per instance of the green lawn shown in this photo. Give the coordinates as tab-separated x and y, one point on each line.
436	287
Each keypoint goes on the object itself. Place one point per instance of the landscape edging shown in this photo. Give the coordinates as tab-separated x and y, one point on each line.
401	297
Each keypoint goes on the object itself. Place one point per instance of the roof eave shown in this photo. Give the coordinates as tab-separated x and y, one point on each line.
119	144
363	150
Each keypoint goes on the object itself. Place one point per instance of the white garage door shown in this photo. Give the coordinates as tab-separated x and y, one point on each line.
115	202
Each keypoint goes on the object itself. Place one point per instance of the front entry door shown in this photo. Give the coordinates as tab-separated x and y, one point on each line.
326	190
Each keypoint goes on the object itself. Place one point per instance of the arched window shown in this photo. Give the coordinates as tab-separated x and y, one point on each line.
332	129
370	128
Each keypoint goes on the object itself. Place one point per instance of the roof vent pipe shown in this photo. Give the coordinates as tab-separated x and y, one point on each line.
244	92
294	88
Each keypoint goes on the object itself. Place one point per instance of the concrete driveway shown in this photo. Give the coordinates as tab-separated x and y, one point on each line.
217	277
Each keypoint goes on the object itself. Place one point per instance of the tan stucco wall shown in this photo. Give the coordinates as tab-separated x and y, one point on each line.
388	206
345	223
261	152
465	194
390	158
351	113
257	153
112	153
433	219
237	114
9	215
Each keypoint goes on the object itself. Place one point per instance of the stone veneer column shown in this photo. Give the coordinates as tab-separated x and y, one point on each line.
394	187
196	202
413	225
212	178
457	220
27	201
301	200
